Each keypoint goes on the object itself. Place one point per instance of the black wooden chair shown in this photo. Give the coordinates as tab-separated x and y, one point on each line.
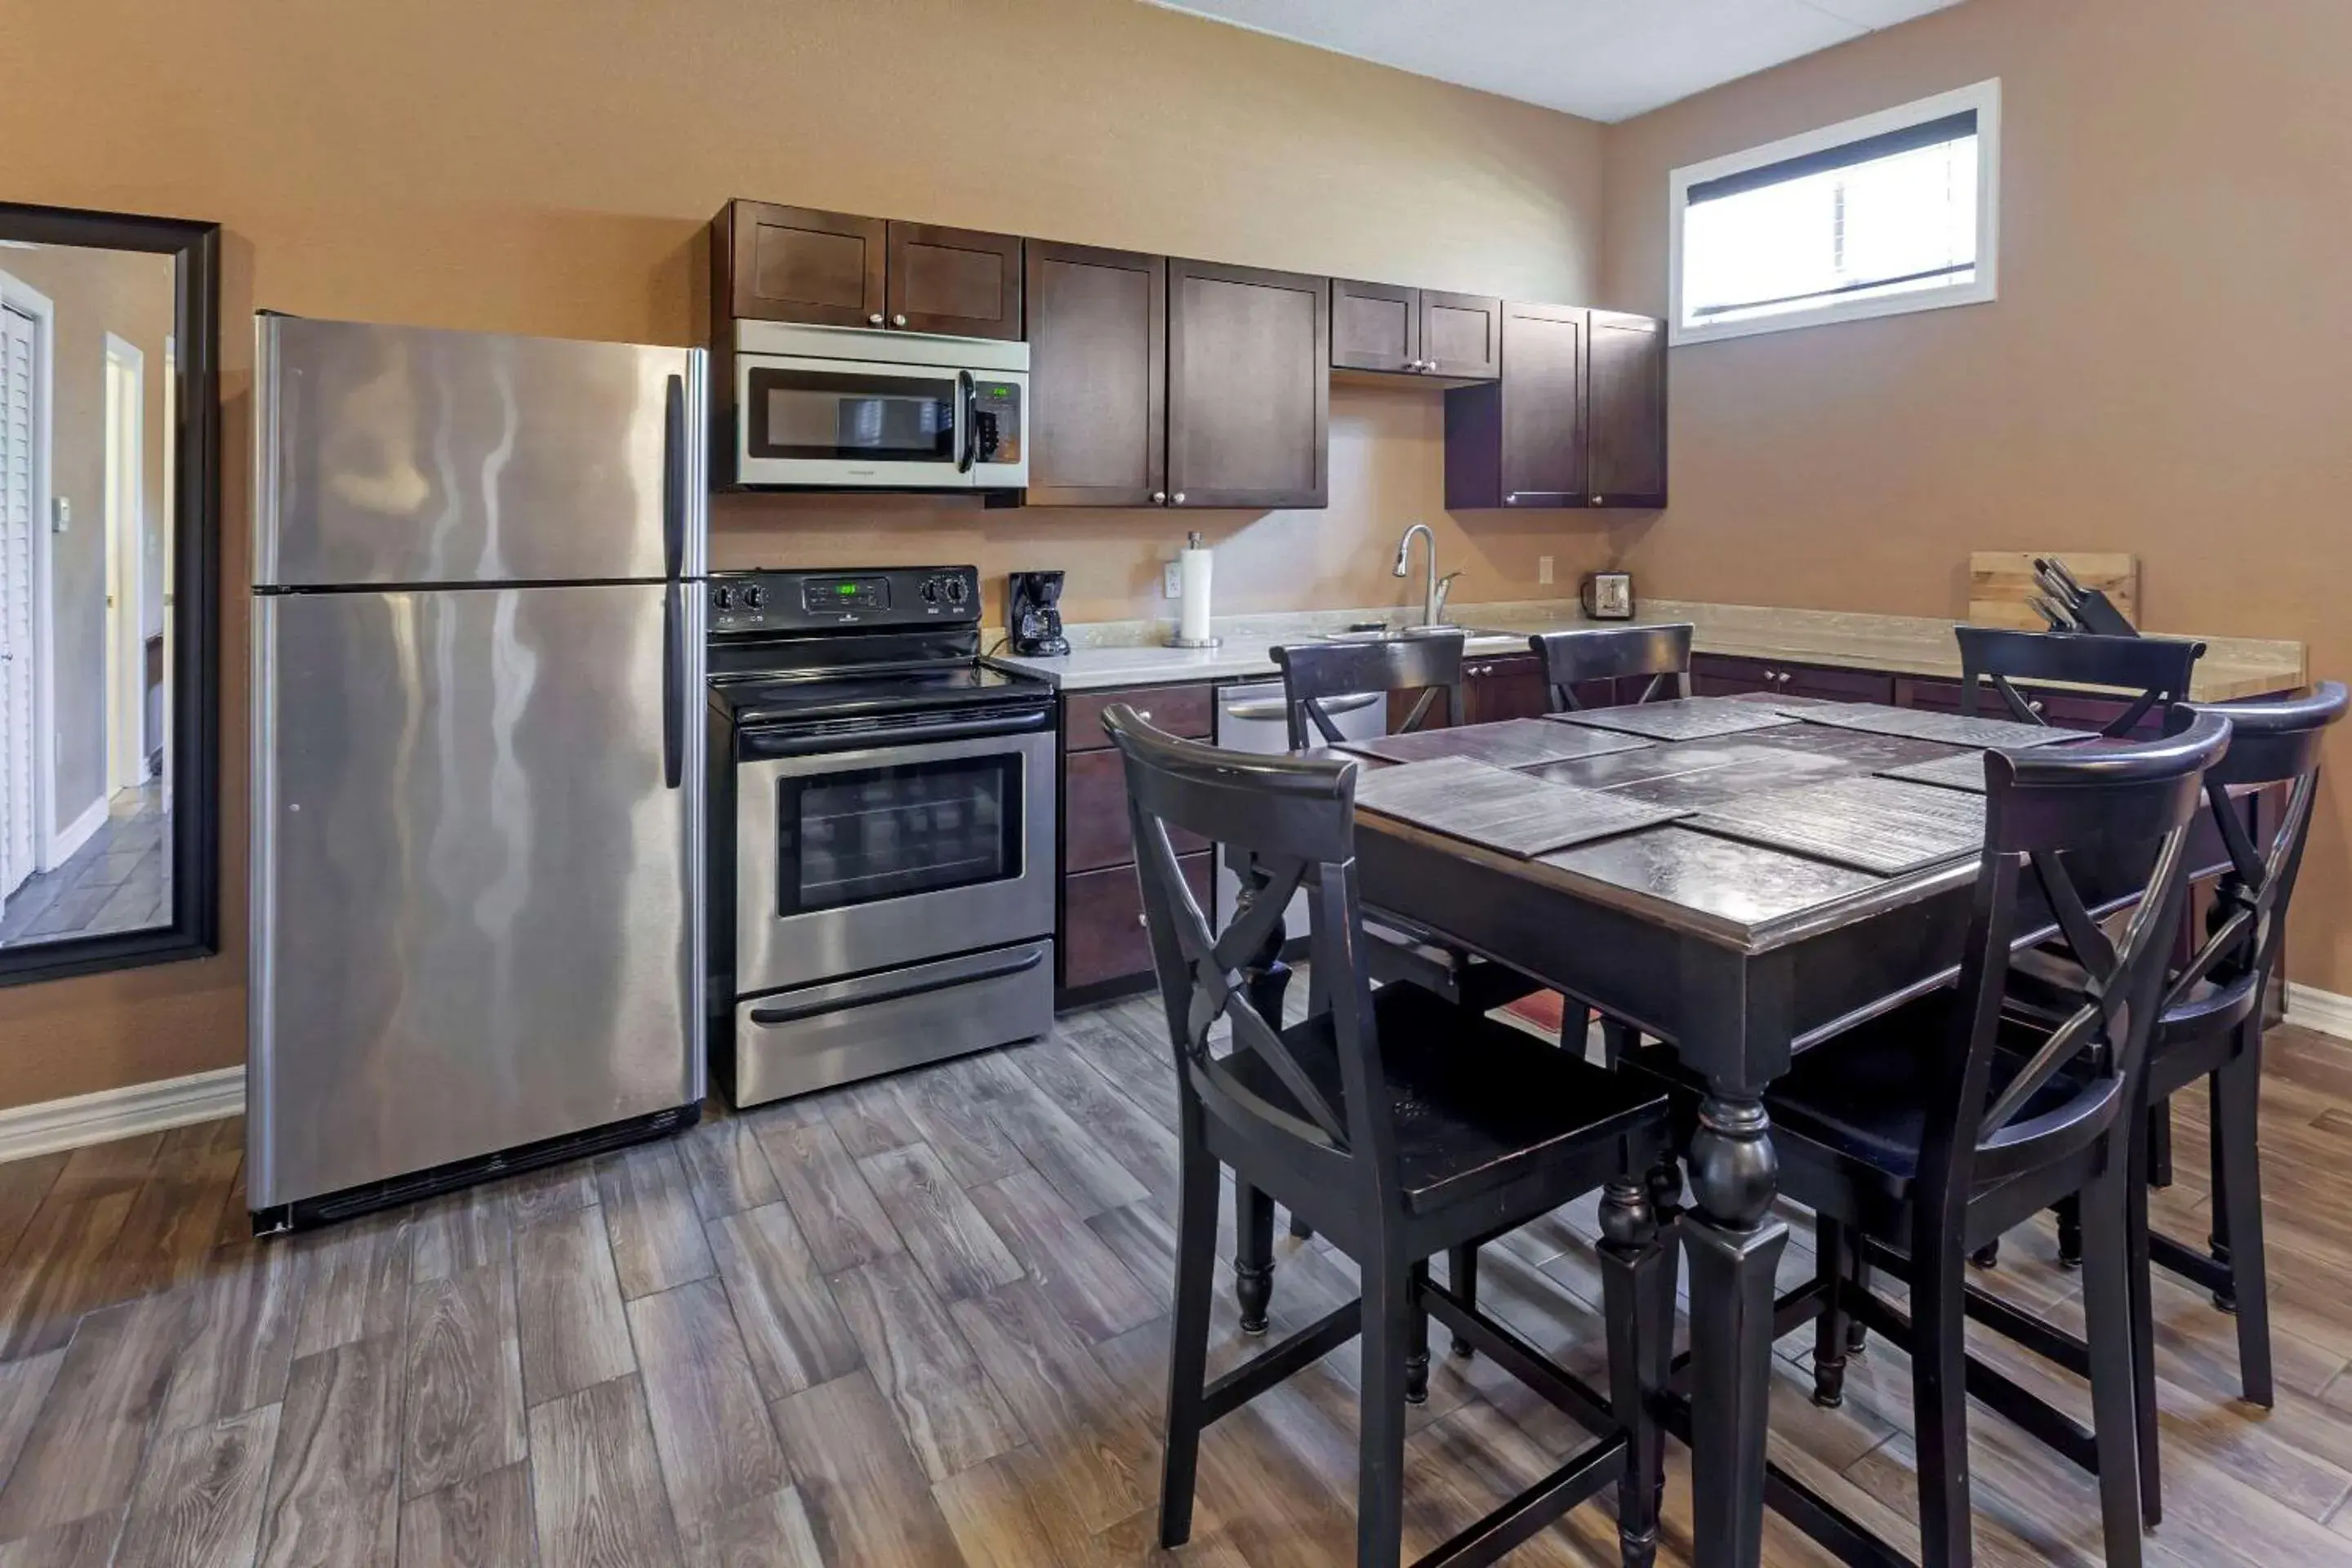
1399	1126
2155	670
1571	659
1950	1120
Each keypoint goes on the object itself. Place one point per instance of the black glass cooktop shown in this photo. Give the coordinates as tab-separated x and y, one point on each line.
751	700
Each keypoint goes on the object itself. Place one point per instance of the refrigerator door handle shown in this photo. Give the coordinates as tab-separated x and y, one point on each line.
674	707
674	482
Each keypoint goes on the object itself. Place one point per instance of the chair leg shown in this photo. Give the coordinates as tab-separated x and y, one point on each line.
2239	1093
2141	1286
1638	1320
1857	1338
1254	1257
1390	1309
2106	1307
1416	1354
2159	1144
2217	1241
1987	1255
1462	1276
2070	1232
1833	1251
1940	1404
1300	1230
1188	1356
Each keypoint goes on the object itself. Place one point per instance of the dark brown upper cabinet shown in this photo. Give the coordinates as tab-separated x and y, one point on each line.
1577	420
838	269
958	280
1626	417
1422	331
1249	387
797	264
1097	376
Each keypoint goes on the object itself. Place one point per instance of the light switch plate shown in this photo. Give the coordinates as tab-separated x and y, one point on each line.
1543	568
1171	580
60	514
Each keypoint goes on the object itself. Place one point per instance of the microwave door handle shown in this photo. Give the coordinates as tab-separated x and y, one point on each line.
967	422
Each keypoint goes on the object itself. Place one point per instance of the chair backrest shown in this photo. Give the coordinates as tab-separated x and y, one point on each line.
1613	652
2116	818
1314	673
2271	741
1285	823
2156	669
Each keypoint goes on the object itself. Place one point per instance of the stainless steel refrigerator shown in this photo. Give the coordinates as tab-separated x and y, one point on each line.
477	767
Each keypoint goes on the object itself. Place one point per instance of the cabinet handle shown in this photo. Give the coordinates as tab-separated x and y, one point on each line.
1144	714
1178	498
875	319
1511	500
1158	497
1143	921
1596	501
897	321
2033	707
1786	677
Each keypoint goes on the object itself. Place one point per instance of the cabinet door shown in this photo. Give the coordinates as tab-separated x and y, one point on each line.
956	280
1543	407
1104	941
1626	410
1461	335
1375	326
1097	376
1249	387
1721	675
1508	688
797	264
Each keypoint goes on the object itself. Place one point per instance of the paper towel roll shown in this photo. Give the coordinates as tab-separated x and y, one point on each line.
1193	564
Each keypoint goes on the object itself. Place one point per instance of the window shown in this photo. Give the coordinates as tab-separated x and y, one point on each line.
1890	213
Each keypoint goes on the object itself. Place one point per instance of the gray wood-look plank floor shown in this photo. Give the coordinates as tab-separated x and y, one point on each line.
922	1322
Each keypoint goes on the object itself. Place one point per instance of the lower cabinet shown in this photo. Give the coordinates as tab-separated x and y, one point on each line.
1723	675
1105	947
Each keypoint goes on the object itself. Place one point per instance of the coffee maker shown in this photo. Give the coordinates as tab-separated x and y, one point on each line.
1032	622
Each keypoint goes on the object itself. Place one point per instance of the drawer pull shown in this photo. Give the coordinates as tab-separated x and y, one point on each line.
1143	921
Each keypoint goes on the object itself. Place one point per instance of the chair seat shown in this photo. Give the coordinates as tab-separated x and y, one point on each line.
1478	1104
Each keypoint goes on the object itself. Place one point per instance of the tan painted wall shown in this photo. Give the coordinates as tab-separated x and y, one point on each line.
2164	372
92	293
546	166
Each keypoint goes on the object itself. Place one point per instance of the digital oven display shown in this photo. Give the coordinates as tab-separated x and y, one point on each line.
819	595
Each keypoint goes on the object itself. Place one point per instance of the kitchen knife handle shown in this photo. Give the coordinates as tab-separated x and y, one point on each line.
674	707
674	479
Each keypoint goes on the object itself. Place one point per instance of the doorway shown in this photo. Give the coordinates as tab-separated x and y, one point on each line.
26	322
126	552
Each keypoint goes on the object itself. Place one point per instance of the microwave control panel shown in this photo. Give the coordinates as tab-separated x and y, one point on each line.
996	421
810	601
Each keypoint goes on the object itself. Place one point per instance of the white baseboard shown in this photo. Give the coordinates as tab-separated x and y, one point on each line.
2329	1011
111	1113
77	833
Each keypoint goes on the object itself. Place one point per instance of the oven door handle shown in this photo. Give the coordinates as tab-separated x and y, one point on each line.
761	744
793	1012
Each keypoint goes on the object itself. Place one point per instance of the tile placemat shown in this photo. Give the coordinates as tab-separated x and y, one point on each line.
1964	771
1951	728
1509	743
1680	719
1886	825
1500	809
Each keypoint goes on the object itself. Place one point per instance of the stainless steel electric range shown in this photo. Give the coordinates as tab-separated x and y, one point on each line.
881	830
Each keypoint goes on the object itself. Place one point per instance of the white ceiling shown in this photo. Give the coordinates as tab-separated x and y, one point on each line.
1604	59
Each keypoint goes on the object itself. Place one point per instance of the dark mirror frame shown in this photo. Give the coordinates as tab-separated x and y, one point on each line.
194	929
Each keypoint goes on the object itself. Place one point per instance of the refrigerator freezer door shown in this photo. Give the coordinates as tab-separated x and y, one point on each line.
478	899
402	456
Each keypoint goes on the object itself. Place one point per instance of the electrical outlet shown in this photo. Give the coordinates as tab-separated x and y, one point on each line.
1543	568
1171	580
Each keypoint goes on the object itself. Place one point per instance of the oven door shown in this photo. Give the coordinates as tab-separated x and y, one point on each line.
850	423
861	859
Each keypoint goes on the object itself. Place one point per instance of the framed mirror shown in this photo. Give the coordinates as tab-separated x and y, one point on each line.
110	593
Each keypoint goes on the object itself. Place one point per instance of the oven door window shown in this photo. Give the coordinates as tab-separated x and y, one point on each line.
839	415
862	835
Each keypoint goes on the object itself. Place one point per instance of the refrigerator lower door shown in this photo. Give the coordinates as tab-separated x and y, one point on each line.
476	874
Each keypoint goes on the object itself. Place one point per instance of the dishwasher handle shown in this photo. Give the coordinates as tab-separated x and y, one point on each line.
1271	708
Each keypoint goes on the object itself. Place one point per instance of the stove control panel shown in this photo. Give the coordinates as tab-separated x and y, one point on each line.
817	601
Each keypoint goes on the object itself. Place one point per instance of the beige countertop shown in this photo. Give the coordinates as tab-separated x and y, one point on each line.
1134	653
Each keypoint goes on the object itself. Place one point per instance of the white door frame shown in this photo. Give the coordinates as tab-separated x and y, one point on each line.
47	853
126	554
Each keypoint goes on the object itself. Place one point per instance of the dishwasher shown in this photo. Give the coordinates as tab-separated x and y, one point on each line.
1250	719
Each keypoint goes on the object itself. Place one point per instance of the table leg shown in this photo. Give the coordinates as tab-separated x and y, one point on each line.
1734	1250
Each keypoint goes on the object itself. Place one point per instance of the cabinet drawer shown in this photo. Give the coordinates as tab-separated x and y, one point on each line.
1094	831
1102	922
1188	711
1721	675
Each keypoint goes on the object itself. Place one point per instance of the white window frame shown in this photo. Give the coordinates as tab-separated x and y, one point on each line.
1983	97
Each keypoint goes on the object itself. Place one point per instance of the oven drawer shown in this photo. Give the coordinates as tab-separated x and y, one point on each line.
796	1042
1102	922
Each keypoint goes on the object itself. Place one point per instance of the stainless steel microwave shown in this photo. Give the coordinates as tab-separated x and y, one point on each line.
850	408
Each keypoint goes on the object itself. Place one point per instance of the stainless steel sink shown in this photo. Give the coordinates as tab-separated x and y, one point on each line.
1480	641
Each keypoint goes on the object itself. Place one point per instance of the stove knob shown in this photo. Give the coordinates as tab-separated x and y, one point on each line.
930	590
722	598
957	592
754	595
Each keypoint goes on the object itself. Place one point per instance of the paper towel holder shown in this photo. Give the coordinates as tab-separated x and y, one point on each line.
1177	637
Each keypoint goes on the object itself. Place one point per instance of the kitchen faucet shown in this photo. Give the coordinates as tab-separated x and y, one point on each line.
1433	600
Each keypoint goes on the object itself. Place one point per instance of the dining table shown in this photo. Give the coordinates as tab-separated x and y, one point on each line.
1784	890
